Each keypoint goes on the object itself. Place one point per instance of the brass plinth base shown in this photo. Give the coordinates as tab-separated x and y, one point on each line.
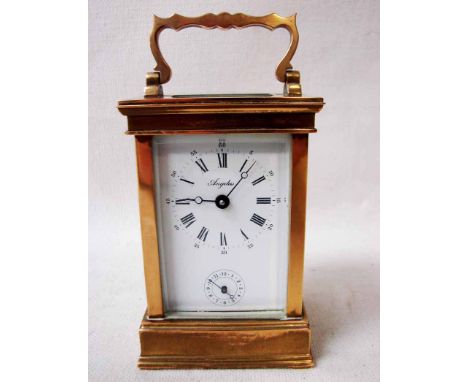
225	344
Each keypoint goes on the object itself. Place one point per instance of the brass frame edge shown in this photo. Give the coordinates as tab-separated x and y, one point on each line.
297	224
221	131
227	108
148	222
159	363
189	344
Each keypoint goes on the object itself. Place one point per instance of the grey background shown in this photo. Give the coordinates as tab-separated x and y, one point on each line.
338	58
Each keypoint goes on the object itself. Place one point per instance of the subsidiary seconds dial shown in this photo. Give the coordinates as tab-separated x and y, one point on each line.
224	287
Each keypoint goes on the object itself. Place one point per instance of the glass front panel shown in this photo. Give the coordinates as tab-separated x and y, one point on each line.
223	213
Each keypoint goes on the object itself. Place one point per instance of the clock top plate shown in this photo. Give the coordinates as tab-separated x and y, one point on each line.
227	113
222	102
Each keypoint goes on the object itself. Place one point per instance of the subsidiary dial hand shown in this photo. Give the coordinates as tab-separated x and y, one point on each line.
244	175
223	289
198	200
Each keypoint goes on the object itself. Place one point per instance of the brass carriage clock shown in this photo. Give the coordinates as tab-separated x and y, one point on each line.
222	190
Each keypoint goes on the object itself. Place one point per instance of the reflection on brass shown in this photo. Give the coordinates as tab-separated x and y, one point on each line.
144	153
221	104
225	344
298	220
292	85
153	87
191	115
225	21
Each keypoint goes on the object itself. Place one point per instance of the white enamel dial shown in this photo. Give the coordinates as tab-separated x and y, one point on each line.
223	206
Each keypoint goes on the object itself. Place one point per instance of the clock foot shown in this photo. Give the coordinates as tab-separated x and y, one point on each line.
225	344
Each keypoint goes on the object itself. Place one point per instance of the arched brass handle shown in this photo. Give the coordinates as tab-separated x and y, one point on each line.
223	21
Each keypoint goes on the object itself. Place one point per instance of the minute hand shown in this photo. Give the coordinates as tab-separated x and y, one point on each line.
244	175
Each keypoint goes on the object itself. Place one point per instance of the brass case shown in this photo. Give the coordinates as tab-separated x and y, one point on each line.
225	344
191	343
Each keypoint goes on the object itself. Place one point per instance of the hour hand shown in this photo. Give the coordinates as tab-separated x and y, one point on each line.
211	281
198	200
183	201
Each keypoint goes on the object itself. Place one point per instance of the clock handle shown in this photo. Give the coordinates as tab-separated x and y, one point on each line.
284	72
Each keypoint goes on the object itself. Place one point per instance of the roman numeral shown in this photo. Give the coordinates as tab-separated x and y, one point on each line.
202	165
258	180
182	201
188	220
222	159
222	239
203	234
186	181
258	220
243	234
263	200
243	165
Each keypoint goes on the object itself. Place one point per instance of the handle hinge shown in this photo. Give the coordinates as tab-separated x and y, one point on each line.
153	86
292	85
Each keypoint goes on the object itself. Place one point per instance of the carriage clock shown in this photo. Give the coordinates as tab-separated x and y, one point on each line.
222	191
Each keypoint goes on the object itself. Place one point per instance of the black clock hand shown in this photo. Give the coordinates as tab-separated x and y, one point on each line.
211	281
244	175
232	189
223	289
198	200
